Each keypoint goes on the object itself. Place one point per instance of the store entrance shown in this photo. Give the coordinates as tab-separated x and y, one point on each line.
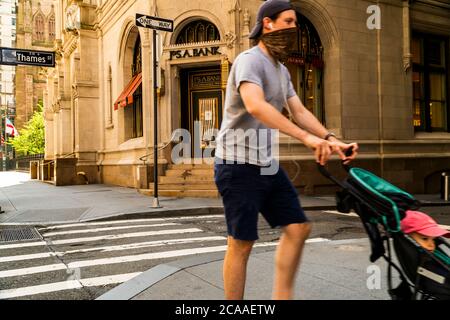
201	105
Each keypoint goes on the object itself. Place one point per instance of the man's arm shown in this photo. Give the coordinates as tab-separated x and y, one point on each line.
253	97
305	119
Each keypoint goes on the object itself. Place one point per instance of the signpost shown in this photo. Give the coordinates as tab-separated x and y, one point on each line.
154	23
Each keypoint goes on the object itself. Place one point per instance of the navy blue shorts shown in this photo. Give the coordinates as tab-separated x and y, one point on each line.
245	193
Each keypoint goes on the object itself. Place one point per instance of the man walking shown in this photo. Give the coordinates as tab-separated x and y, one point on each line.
258	88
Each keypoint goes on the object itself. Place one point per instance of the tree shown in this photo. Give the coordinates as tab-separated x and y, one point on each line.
32	137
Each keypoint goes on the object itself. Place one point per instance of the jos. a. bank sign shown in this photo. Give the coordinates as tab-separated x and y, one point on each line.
189	53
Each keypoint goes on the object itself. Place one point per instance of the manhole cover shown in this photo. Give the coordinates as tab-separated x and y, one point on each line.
19	234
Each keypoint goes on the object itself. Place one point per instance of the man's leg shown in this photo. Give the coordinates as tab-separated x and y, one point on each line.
287	259
235	268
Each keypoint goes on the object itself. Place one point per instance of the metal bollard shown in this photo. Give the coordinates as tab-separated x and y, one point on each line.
445	185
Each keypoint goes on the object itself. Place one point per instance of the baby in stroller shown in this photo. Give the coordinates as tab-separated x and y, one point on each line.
386	212
422	229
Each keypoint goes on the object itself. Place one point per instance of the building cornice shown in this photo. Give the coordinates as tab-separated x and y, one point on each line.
69	46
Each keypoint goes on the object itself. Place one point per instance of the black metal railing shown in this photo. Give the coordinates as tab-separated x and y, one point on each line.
23	163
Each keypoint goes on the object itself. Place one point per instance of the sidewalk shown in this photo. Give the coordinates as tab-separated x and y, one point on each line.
31	201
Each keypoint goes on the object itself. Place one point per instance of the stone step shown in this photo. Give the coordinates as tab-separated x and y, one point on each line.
190	166
183	193
187	172
185	186
189	179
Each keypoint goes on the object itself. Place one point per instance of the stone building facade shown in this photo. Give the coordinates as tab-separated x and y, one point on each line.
35	31
385	88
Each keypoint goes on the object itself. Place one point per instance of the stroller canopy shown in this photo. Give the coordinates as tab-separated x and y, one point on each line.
396	198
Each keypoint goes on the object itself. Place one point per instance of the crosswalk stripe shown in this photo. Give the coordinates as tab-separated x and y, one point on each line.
350	214
126	235
32	270
120	259
41	255
58	233
110	248
104	237
23	245
66	285
102	223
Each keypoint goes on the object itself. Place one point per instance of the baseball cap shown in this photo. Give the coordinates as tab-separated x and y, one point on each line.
416	221
268	9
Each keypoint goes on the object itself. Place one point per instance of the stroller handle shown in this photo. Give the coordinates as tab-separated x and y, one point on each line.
323	170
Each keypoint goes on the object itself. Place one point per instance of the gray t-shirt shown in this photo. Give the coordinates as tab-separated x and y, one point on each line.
242	137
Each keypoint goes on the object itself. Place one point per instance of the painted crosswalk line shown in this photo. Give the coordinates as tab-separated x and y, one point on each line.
127	221
99	238
138	245
119	259
67	285
350	214
80	231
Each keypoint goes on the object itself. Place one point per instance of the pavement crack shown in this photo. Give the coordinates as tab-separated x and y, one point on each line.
73	274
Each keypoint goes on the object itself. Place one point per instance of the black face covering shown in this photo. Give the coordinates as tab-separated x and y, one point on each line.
279	43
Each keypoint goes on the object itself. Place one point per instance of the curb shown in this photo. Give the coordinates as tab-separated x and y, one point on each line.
130	289
156	213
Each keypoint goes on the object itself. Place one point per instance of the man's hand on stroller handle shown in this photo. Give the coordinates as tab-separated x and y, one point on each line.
350	149
323	149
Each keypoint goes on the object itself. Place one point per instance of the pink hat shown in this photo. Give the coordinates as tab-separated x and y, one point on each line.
416	221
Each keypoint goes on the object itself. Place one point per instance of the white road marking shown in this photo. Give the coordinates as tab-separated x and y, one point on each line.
126	235
23	245
102	223
444	226
350	214
110	248
120	259
32	270
66	285
154	255
41	255
58	233
315	240
104	237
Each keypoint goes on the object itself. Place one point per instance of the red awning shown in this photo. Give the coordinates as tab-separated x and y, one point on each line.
126	97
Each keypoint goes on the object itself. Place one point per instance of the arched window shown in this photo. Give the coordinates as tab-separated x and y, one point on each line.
306	66
133	113
39	27
137	58
51	28
198	31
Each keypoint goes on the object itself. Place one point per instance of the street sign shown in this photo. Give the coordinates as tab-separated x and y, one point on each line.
12	56
154	22
161	24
